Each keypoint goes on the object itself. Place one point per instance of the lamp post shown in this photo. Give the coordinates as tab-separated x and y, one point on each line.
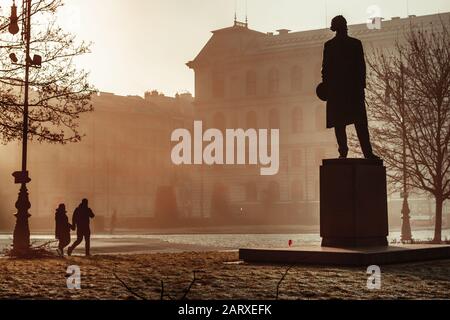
406	226
21	237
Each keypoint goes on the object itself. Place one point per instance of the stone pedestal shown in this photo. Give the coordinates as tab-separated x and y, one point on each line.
353	203
316	255
353	223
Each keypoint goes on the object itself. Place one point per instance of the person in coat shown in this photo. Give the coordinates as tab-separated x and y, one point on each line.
344	77
81	222
62	228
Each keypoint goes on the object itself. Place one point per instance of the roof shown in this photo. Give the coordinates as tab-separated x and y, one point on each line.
240	40
233	40
110	102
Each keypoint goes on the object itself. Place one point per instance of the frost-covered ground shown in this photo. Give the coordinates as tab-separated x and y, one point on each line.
151	243
218	277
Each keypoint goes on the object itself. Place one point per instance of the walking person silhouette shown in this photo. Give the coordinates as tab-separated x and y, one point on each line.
344	80
80	222
62	228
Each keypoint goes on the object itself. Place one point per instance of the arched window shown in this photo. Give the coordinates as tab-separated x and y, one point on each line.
235	86
297	158
218	84
296	190
251	120
234	120
251	192
219	121
220	202
274	119
296	79
274	80
321	118
297	120
251	83
273	191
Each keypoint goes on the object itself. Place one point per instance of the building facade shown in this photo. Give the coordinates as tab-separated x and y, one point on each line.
249	79
122	160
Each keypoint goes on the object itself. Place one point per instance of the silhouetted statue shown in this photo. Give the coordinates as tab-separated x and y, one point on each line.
344	79
80	222
62	228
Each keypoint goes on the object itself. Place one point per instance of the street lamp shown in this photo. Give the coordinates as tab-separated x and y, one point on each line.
406	226
21	236
13	24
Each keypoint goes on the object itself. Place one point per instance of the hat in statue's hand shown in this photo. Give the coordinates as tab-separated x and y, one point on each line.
321	92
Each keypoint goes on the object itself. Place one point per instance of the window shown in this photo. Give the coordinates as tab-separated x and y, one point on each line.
297	190
297	120
273	191
235	120
251	120
296	79
274	119
316	190
251	83
321	118
218	85
297	158
251	191
235	86
219	121
274	81
220	199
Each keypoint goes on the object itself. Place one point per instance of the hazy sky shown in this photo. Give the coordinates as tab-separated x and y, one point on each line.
144	44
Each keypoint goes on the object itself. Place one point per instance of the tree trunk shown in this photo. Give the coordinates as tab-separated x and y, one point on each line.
438	222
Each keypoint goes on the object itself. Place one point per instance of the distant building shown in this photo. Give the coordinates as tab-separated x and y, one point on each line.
119	164
249	79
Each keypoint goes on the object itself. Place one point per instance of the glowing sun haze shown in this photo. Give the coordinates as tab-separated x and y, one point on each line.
144	44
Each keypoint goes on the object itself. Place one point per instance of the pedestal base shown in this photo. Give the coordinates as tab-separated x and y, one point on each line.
364	256
353	203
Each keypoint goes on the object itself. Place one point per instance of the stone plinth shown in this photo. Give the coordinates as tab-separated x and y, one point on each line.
360	256
353	223
353	203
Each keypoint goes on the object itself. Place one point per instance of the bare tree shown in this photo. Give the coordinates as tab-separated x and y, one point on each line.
59	92
408	98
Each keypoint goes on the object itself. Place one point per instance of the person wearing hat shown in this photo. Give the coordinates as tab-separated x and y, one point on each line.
343	86
62	228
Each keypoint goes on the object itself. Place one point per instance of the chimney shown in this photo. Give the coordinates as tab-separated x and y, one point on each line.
283	31
186	96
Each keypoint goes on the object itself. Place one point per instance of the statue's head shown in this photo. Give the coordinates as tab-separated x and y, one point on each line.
339	24
84	202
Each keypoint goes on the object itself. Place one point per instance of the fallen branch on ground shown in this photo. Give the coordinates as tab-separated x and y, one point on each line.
281	280
189	287
129	288
42	251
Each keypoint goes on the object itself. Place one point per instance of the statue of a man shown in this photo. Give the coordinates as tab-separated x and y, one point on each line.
344	79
